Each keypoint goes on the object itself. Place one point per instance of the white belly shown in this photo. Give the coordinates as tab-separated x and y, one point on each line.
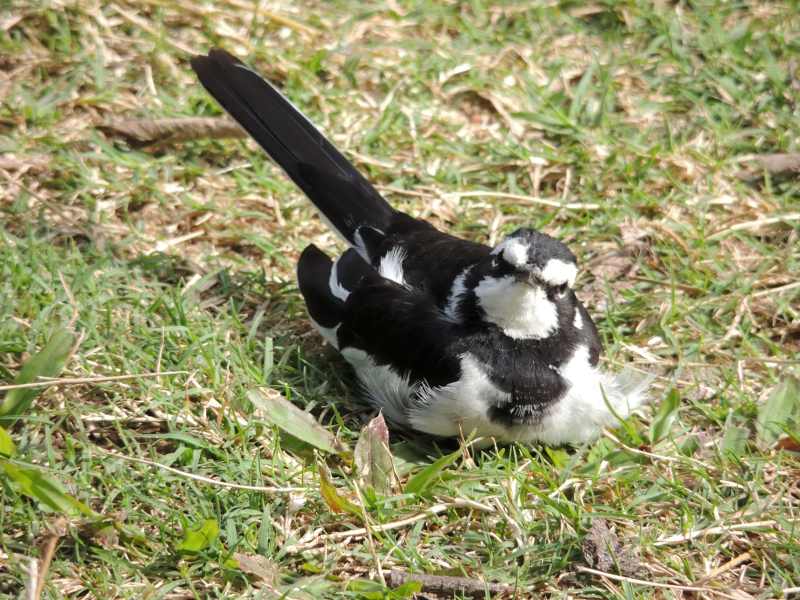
462	407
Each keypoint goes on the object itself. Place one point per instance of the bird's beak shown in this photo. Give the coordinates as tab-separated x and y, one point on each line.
527	278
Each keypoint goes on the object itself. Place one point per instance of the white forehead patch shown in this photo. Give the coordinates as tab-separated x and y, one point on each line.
559	272
514	252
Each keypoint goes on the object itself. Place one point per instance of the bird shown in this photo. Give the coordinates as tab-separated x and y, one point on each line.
448	337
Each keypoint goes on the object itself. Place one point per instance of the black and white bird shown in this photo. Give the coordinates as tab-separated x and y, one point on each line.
447	336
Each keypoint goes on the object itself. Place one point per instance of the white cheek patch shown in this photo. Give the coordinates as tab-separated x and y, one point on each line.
520	310
391	266
559	272
514	252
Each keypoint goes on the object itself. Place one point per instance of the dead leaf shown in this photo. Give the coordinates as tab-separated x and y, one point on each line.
603	551
261	569
374	463
276	409
789	444
335	501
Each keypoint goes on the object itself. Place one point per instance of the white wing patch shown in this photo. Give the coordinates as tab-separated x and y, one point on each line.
385	388
577	322
456	291
391	266
337	289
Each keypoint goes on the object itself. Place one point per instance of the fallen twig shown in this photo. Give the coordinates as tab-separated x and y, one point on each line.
147	132
55	532
680	538
524	199
273	16
82	380
774	164
724	568
209	480
361	531
32	582
448	586
756	224
657	584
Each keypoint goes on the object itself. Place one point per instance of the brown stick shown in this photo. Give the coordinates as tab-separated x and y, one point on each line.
774	164
57	530
145	132
35	163
447	586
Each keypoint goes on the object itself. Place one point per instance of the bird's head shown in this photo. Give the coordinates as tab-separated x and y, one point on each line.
525	285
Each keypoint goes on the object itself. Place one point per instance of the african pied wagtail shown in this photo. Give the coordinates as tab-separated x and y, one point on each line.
447	336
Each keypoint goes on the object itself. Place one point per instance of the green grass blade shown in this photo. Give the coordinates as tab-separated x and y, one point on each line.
781	408
7	447
665	417
39	486
48	362
420	482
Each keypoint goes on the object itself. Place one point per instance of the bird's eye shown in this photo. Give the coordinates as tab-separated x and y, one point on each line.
561	289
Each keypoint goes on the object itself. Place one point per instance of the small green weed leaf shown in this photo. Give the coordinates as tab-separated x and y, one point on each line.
188	440
48	362
280	412
7	447
199	538
39	486
665	417
734	440
335	501
373	458
407	590
559	457
780	409
423	480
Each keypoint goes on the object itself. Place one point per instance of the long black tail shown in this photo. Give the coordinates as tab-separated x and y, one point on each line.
336	188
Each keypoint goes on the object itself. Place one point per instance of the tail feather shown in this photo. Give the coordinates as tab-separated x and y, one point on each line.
343	196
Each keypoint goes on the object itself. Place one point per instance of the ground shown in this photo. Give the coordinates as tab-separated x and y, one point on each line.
627	129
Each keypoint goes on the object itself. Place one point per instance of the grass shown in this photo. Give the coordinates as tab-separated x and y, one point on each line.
646	110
